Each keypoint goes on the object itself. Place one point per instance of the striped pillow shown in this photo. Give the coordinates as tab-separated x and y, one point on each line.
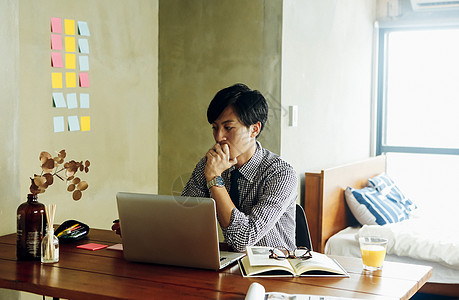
371	207
387	187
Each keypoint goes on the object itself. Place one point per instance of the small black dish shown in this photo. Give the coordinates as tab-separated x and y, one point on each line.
71	230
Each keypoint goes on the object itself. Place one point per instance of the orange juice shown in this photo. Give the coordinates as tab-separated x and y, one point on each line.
373	255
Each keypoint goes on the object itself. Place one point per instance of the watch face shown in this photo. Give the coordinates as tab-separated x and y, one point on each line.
219	181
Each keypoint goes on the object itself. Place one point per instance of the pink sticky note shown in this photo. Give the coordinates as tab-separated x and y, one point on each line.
56	60
84	79
56	42
92	246
56	25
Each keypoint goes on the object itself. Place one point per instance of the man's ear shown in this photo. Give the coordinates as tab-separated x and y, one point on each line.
255	130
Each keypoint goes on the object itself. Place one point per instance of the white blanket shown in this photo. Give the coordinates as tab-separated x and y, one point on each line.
421	237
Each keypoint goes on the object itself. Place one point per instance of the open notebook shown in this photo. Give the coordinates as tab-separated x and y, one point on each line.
171	230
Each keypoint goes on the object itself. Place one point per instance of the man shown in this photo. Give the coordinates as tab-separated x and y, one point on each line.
258	208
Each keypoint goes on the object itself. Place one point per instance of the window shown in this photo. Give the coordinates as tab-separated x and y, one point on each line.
418	111
418	91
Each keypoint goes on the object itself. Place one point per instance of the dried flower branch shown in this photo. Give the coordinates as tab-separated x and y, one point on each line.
52	166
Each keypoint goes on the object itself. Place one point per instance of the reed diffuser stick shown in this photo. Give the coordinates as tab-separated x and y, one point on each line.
49	251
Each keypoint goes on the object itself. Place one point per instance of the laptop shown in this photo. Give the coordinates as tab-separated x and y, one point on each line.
171	230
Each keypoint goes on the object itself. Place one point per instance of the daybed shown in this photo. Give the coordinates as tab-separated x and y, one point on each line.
334	229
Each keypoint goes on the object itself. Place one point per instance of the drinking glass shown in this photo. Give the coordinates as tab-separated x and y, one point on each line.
373	250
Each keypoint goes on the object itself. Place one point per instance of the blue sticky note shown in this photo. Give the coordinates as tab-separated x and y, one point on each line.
74	123
72	101
83	28
84	63
59	124
83	45
84	100
59	100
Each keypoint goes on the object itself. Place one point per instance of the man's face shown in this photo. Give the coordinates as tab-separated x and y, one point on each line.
228	129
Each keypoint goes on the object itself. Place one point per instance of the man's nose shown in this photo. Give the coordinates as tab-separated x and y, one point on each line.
220	136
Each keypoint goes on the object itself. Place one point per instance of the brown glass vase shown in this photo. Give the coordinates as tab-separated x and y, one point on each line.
31	227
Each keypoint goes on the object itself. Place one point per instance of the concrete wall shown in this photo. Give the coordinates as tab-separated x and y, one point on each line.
9	96
204	47
122	142
327	73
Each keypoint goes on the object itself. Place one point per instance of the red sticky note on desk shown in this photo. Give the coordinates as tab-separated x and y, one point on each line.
92	246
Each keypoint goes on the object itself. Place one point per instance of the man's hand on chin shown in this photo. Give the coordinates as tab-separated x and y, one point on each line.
218	160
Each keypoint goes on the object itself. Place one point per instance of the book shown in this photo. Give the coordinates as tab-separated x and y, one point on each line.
258	264
257	292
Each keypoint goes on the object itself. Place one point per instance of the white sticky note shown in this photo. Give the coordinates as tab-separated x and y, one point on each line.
72	101
84	100
84	63
83	46
83	28
59	124
74	124
59	100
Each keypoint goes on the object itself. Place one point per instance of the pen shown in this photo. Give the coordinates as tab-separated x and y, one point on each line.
68	230
79	234
73	228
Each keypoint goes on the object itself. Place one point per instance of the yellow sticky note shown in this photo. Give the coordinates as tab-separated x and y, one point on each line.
69	27
70	79
69	44
70	61
85	123
56	80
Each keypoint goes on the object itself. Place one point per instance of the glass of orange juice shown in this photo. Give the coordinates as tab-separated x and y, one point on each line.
373	250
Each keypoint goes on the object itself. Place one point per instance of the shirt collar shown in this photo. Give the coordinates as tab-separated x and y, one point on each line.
248	170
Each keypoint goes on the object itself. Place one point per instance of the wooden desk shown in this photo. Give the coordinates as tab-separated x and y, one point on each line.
104	274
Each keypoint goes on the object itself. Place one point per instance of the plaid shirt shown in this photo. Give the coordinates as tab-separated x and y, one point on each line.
267	193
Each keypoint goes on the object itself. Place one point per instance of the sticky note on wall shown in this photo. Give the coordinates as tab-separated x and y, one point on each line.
70	79
56	80
83	28
72	101
84	63
59	125
85	123
69	26
56	25
83	46
56	59
69	44
70	61
74	123
84	100
84	80
59	100
56	42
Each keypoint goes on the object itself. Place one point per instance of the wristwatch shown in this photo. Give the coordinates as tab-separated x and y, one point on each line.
216	181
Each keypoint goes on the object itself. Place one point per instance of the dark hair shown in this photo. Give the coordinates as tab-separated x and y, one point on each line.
250	105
